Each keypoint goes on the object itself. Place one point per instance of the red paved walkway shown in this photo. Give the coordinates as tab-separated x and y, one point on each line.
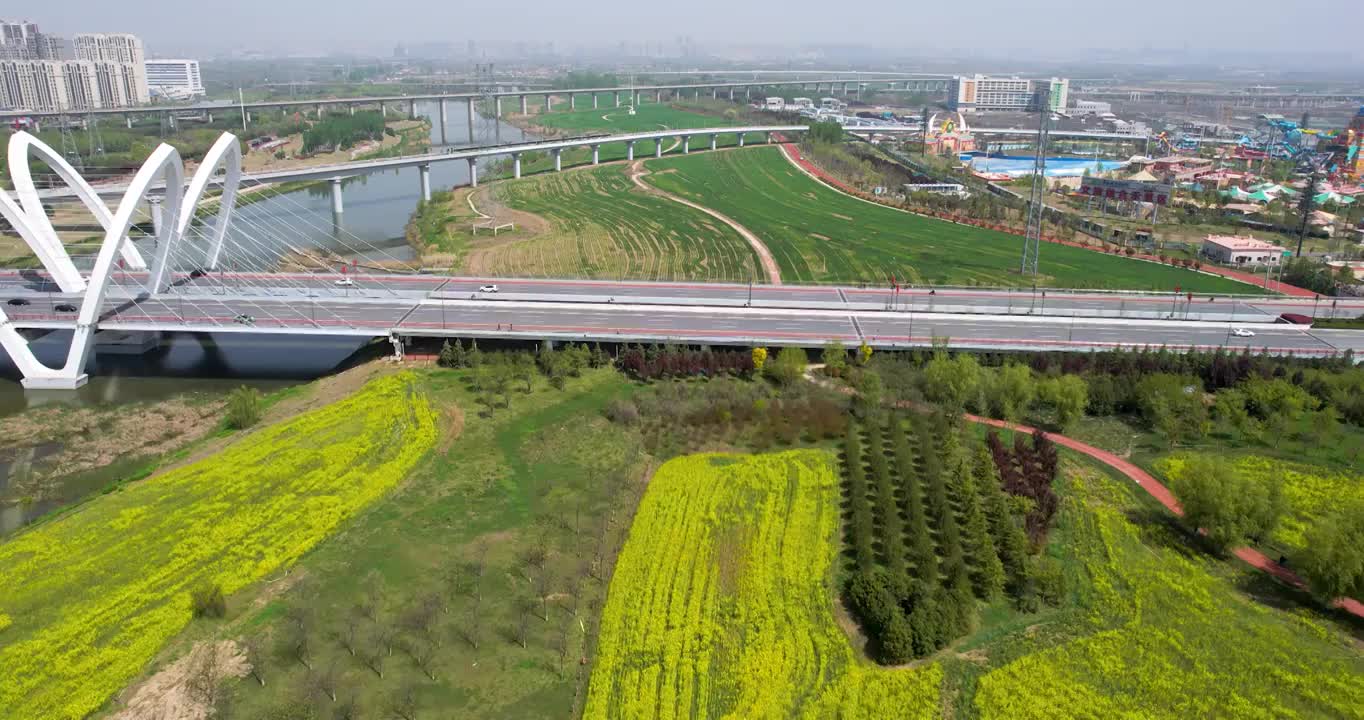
1252	557
793	152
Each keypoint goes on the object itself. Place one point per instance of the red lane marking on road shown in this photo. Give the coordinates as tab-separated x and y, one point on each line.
1162	494
794	154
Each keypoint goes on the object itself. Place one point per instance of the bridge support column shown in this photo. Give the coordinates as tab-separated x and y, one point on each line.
516	165
473	172
383	109
741	139
596	154
337	206
158	217
210	118
352	109
424	172
658	148
714	140
525	109
248	117
411	109
767	138
442	122
130	121
472	118
572	101
686	144
748	94
497	106
658	97
630	150
549	102
558	159
714	93
594	101
731	94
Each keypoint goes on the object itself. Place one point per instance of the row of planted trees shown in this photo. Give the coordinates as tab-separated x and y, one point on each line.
932	530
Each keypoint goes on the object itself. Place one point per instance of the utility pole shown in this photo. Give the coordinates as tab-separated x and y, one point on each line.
1032	241
1305	206
923	132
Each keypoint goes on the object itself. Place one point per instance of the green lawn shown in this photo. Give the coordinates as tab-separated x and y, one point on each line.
601	225
817	234
538	494
610	119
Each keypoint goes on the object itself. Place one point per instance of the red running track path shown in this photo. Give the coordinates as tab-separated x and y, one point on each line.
793	154
1252	557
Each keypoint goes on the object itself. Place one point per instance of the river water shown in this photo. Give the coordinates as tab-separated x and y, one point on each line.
377	206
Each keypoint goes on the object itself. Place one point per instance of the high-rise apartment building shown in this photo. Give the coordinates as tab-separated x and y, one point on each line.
42	73
120	48
174	79
980	92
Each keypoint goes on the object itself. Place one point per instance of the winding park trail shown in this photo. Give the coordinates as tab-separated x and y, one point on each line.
769	263
1162	494
792	154
1145	480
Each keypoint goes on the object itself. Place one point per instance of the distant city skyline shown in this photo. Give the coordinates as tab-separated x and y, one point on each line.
1053	29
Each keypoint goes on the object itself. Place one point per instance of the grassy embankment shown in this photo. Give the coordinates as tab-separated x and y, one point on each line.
817	234
91	597
591	222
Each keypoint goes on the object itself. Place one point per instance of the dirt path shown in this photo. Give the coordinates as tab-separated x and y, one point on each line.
1162	494
769	263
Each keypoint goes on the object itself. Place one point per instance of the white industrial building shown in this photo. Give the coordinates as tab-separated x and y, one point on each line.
981	92
174	79
1091	107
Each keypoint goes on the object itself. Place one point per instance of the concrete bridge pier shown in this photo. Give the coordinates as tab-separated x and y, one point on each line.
473	116
731	94
594	101
767	138
714	93
248	117
351	107
210	118
558	159
686	144
658	96
383	109
516	165
525	109
549	102
424	172
338	206
741	139
630	150
473	172
596	154
572	101
497	106
442	122
714	140
411	109
129	118
658	148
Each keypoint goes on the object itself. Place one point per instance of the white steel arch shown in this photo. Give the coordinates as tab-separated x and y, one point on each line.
39	228
165	166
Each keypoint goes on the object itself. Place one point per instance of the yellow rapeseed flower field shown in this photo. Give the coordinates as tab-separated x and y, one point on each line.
93	595
721	604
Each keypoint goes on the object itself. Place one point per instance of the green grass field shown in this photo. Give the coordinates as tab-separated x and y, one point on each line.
648	116
601	225
817	234
511	521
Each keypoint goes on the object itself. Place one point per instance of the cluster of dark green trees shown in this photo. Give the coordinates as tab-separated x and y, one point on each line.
341	132
931	530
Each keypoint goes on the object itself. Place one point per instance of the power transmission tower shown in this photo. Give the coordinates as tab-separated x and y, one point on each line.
486	85
69	149
1032	241
1306	204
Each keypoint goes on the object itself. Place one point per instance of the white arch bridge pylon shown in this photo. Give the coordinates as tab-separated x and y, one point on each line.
30	221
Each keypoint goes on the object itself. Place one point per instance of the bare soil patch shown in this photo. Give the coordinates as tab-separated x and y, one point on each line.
186	689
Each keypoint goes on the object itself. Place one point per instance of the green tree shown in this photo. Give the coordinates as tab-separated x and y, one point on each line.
788	367
952	381
1011	392
1229	506
835	358
897	640
1011	543
870	393
1068	395
244	408
1173	406
827	132
1331	560
987	573
863	354
1229	410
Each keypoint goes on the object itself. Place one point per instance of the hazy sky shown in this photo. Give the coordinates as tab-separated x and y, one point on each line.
312	26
